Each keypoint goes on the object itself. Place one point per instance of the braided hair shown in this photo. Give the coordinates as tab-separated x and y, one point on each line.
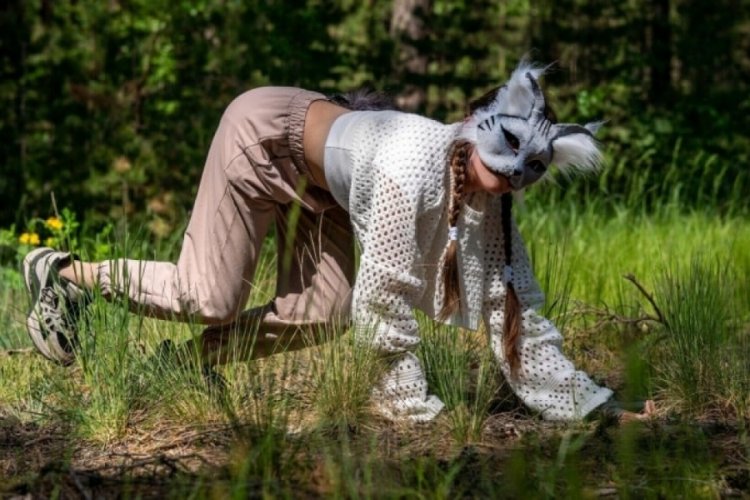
458	160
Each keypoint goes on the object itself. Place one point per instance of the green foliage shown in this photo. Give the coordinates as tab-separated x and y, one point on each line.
344	373
111	102
112	105
61	232
300	421
462	372
703	362
638	462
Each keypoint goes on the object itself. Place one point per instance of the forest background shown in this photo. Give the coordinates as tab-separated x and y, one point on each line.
112	104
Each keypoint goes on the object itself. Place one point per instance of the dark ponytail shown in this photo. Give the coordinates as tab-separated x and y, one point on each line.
459	159
512	325
364	100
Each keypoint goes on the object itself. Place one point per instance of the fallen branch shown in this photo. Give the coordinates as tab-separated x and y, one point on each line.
84	494
649	297
605	316
41	439
134	463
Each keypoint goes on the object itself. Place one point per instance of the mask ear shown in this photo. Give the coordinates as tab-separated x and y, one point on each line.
594	127
575	147
516	97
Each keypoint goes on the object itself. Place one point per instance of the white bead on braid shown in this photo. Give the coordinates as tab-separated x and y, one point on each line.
453	233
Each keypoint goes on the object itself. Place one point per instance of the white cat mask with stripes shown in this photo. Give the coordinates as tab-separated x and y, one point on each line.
515	138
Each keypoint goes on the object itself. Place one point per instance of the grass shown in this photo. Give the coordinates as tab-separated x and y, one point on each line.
706	346
462	373
298	423
589	252
344	374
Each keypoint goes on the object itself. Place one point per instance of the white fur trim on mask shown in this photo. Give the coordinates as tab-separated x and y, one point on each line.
579	152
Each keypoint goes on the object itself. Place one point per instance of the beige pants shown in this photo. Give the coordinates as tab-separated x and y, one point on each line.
255	174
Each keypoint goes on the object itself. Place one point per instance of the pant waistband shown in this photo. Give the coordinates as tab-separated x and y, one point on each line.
298	107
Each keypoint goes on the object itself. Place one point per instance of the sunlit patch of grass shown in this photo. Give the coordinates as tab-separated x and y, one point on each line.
274	409
98	393
173	387
28	382
27	385
601	245
461	371
13	306
344	371
703	364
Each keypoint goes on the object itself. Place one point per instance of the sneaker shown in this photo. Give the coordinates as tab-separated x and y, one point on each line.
55	304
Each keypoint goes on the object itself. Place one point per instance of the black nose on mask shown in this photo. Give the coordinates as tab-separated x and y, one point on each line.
527	174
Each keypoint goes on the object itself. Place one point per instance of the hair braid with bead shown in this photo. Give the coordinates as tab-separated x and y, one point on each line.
458	161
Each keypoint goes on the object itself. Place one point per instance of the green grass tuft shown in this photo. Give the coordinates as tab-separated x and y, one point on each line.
704	360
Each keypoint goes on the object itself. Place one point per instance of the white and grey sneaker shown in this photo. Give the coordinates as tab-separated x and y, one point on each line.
55	304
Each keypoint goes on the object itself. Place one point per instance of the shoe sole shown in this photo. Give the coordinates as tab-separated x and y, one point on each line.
34	288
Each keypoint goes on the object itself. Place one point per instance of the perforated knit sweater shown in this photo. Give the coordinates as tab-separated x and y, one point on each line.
389	170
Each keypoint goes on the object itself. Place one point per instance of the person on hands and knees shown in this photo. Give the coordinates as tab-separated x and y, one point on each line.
429	203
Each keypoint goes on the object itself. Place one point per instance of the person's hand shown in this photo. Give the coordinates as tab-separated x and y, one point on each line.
648	412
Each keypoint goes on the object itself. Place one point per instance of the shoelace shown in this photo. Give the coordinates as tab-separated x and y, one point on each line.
57	320
54	320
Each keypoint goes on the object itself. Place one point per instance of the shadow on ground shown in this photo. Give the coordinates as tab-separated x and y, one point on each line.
517	456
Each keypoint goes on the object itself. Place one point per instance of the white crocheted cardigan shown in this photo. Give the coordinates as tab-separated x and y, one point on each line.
399	191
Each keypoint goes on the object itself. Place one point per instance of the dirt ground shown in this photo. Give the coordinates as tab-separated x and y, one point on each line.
39	462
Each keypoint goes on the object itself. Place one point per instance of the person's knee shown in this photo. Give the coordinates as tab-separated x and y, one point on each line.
338	312
314	307
211	302
217	312
337	308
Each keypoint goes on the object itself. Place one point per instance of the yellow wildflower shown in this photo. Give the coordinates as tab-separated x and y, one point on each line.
29	239
53	223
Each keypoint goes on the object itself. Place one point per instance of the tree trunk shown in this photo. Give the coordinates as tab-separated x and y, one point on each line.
661	52
409	31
